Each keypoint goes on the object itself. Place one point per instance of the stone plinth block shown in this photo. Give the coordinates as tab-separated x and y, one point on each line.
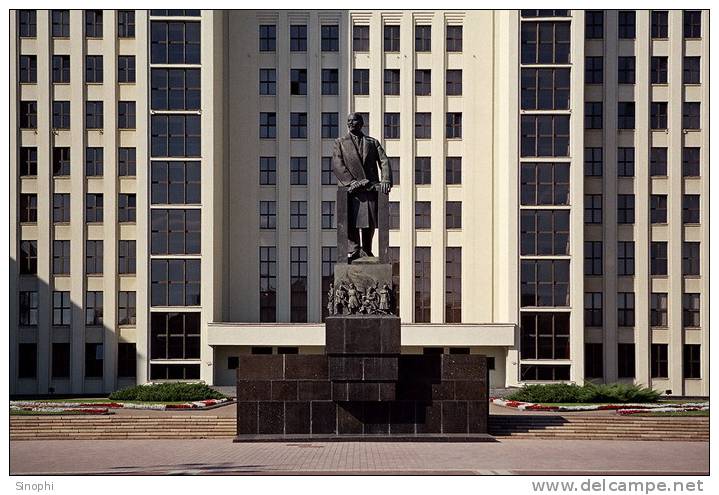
362	334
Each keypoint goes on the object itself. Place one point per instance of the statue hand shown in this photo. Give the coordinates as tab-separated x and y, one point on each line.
385	187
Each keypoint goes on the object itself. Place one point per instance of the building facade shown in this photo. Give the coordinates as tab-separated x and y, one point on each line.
173	206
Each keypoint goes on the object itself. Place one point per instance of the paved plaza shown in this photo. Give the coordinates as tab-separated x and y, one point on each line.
536	457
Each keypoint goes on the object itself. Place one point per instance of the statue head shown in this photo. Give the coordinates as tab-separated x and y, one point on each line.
355	122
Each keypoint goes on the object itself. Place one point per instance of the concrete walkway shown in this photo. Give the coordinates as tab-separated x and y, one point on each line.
160	457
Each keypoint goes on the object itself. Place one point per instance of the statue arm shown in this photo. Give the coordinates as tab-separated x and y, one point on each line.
344	176
385	169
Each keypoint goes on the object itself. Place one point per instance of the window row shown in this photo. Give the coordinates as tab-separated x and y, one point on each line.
62	308
94	208
626	70
60	359
658	309
94	258
94	115
625	263
594	162
94	72
627	24
391	82
658	115
61	161
60	23
691	209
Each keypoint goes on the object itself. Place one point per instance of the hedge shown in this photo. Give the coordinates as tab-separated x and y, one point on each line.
570	393
167	392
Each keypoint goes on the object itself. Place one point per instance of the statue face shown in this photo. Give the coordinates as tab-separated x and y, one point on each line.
355	122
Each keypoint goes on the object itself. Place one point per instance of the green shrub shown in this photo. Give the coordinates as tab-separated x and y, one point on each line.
569	393
167	392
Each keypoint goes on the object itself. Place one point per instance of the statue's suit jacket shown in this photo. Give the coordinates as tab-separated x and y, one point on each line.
348	165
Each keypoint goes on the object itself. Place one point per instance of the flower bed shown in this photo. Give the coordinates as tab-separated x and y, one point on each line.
46	406
60	409
619	408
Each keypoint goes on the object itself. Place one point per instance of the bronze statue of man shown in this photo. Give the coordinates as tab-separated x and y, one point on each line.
355	161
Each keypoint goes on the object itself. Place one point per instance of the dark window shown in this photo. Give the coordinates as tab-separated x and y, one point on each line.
544	335
690	162
298	284
27	361
422	284
60	114
328	215
61	308
175	135
28	69
391	82
330	81
625	115
173	42
545	43
692	70
94	256
360	81
28	115
692	24
625	309
691	114
28	208
423	170
658	162
625	258
175	89
690	209
298	81
94	162
453	170
93	69
126	208
126	69
175	231
625	162
28	257
298	215
393	257
545	135
175	282
658	115
268	125
690	258
625	208
328	175
28	161
692	361
394	215
422	125
422	215
658	313
453	285
329	257
298	125
659	70
330	125
660	361
391	38
61	162
453	127
175	182
593	360
360	38
454	38
268	170
93	308
268	37
60	360
268	214
593	258
626	360
93	114
627	24
125	23
60	23
27	20
61	208
268	283
126	308
593	70
175	335
93	23
454	82
594	24
126	114
544	232
592	208
593	116
691	316
391	125
126	162
545	89
268	81
658	208
423	38
61	69
544	282
28	308
330	38
659	258
94	208
593	162
544	13
298	38
453	215
61	257
660	24
544	372
298	170
544	184
593	309
394	164
422	82
127	257
174	371
126	360
626	70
